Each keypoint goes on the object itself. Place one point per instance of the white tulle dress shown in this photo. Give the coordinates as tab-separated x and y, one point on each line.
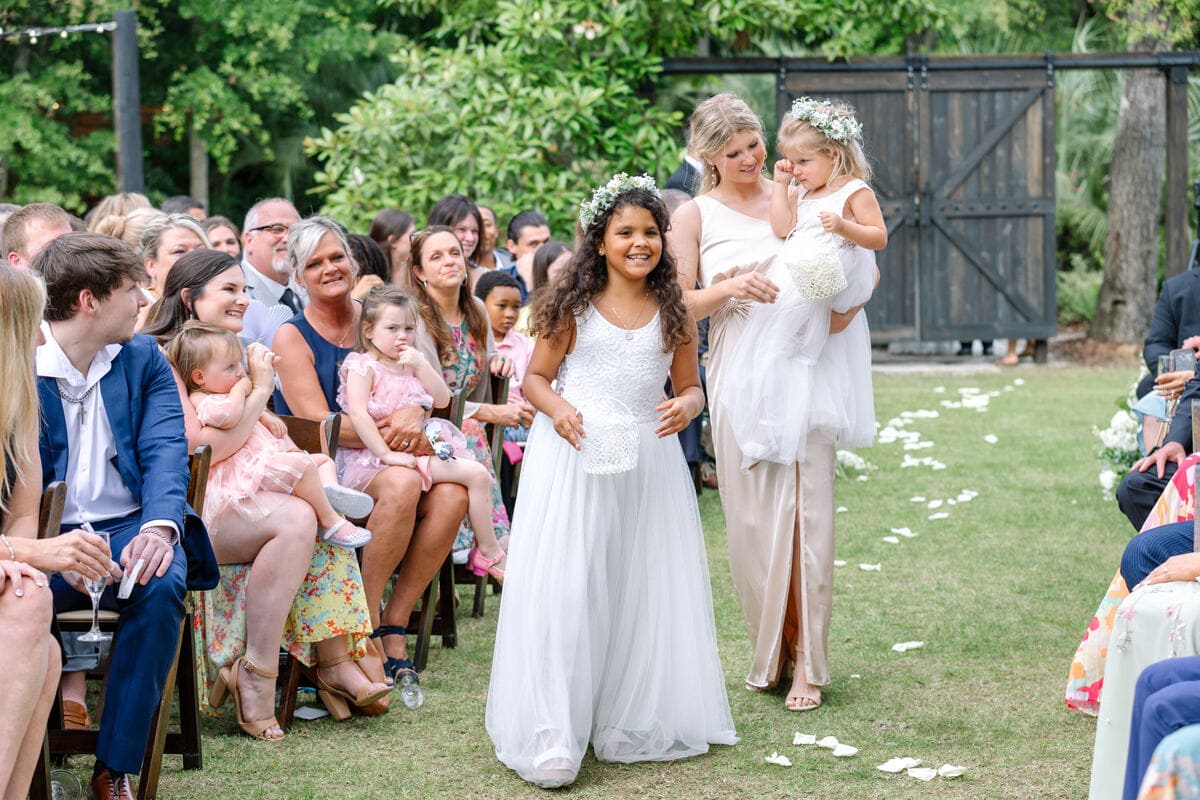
606	628
796	378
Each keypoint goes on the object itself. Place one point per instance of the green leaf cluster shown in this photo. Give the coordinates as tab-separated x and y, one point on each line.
531	103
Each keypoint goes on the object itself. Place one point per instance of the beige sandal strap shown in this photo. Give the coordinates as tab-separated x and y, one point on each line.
333	662
254	669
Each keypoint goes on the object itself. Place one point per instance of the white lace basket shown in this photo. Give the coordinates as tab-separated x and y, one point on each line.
814	266
611	444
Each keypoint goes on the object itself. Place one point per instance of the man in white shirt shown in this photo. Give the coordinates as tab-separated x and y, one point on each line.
269	279
111	418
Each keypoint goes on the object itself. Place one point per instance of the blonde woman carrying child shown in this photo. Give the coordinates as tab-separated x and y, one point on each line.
799	379
209	360
387	372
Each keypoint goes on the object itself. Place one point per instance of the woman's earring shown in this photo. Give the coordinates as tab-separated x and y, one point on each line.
425	284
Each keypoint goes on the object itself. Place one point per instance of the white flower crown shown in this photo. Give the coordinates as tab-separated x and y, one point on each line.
606	195
822	115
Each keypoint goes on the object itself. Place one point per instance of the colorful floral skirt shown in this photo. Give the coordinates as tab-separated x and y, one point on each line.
1176	504
1174	771
329	603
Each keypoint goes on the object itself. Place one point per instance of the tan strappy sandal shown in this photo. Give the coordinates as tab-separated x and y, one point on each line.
227	683
337	700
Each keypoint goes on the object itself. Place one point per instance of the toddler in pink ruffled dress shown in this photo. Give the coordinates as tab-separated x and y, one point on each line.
387	372
209	360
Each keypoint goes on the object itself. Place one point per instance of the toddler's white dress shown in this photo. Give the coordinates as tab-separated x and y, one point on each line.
797	379
606	629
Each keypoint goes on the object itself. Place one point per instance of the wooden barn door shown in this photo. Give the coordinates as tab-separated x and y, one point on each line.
986	163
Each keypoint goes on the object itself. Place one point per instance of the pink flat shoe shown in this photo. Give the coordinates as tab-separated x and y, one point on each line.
482	565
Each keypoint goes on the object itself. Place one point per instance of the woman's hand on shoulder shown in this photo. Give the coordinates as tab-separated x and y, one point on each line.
1183	567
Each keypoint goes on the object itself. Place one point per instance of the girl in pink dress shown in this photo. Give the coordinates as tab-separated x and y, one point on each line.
209	360
387	372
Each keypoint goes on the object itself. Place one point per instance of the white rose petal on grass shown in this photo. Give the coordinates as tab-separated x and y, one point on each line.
951	501
844	751
922	773
950	771
939	515
871	567
829	742
939	390
1008	388
892	539
1018	381
904	647
991	438
917	499
778	760
932	504
898	764
804	738
839	563
842	509
861	478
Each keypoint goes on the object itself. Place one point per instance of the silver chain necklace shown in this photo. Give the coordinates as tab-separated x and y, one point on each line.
79	401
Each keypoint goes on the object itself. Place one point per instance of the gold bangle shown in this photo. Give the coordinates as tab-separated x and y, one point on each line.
12	554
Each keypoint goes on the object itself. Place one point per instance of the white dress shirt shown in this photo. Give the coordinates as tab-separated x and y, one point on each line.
268	291
95	489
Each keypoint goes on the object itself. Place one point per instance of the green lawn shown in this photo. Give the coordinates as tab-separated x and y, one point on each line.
1000	592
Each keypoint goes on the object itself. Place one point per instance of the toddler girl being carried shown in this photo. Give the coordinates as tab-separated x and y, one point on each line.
388	372
209	360
798	379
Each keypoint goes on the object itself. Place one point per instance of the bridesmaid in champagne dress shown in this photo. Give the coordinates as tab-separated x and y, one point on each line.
778	518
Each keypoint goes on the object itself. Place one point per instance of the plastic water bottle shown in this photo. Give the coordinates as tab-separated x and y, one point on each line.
410	692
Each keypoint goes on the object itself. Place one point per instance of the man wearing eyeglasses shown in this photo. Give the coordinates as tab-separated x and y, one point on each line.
269	280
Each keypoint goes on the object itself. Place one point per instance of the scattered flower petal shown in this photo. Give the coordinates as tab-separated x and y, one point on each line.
1018	381
839	563
844	751
892	539
871	567
917	499
898	764
856	675
950	771
939	390
829	742
804	738
932	504
778	760
842	509
904	647
861	478
922	773
991	438
939	515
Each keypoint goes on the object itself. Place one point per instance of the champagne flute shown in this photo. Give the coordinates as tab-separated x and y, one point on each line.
95	589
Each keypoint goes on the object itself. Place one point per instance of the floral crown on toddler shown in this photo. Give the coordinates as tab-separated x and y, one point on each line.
604	196
836	123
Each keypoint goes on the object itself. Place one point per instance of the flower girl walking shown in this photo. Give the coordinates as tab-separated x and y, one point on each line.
606	631
209	361
386	372
798	378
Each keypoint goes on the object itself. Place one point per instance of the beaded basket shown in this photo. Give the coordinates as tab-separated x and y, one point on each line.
814	266
611	444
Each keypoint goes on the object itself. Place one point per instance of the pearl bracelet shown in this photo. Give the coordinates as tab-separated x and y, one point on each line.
12	554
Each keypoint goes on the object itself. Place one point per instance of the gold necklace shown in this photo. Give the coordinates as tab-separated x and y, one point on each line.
621	321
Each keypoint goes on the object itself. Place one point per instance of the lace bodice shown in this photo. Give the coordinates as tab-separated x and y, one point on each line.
615	369
808	210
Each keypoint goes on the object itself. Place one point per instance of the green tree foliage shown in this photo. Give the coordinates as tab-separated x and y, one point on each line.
529	103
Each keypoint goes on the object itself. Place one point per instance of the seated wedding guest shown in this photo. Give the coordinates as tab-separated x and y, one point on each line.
223	235
392	230
527	231
182	204
6	211
29	656
549	261
1166	700
1174	326
501	296
459	214
1141	487
164	240
409	529
264	255
309	595
28	230
128	227
93	367
488	255
455	335
121	204
372	265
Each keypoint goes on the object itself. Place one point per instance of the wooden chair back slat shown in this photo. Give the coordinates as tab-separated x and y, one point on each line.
199	463
54	499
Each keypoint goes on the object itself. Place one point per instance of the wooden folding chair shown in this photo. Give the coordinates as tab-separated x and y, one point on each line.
185	741
50	513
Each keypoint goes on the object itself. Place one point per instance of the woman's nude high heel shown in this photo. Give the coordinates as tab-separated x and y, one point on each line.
335	698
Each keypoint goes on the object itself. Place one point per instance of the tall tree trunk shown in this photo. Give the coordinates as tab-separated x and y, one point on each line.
198	160
1127	293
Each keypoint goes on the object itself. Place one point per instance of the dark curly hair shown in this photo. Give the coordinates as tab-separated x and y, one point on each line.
555	311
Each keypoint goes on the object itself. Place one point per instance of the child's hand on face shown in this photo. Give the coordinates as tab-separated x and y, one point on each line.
395	459
831	222
783	171
568	422
409	357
